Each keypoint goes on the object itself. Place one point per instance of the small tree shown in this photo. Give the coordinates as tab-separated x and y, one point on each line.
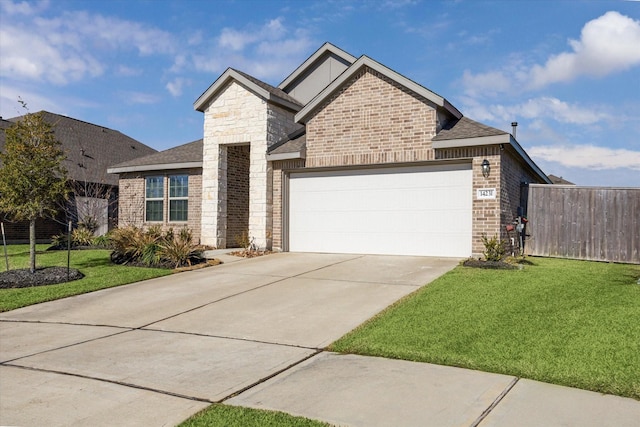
32	178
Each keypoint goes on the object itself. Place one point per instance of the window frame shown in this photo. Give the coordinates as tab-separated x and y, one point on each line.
184	198
154	199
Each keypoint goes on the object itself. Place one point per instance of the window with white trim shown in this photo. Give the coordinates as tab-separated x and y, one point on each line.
154	199
178	198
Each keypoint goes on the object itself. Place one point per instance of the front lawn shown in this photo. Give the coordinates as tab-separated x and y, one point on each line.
574	323
96	265
236	416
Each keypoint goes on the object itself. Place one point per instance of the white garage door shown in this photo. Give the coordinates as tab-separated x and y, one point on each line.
417	210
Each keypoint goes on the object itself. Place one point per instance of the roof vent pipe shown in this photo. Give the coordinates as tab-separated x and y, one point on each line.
514	125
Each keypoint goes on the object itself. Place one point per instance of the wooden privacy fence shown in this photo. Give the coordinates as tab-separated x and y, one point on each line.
590	223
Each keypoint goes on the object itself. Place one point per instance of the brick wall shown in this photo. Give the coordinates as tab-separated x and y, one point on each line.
513	173
278	189
237	193
371	120
131	206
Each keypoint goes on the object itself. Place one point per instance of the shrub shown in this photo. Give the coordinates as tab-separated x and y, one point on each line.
82	236
59	241
103	241
153	248
179	249
494	248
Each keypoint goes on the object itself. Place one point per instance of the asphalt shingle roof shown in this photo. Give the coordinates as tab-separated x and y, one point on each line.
90	149
466	128
186	153
272	90
294	142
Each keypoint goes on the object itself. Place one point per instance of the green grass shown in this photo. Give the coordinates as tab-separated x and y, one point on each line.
99	273
573	323
233	416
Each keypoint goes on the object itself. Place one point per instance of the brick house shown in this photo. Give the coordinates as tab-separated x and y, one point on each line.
89	150
345	155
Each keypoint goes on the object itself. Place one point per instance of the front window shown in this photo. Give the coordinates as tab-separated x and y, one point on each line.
178	197
154	200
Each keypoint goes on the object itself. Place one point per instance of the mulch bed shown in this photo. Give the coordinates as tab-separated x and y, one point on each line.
23	278
249	253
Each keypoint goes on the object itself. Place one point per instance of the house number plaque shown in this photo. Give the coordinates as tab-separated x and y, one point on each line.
486	193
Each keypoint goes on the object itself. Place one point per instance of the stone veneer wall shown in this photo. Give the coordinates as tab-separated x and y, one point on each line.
238	116
131	206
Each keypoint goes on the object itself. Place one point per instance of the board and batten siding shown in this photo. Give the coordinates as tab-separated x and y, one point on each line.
589	223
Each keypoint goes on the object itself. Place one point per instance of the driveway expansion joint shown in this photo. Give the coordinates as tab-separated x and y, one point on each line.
105	380
268	377
196	334
495	403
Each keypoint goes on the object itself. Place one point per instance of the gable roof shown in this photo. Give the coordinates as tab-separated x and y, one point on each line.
260	88
90	148
181	157
365	61
325	49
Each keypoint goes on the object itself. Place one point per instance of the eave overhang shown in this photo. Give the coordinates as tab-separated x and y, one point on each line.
231	74
493	140
163	166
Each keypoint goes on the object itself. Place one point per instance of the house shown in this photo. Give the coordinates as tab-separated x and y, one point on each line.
345	155
89	150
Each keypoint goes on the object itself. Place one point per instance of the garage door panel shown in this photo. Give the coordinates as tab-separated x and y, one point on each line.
422	210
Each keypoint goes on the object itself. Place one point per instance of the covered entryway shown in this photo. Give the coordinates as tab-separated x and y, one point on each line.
409	210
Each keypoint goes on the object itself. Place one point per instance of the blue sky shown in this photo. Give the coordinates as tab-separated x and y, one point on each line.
567	71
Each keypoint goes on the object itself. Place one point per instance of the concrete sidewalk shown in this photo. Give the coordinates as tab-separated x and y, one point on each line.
251	332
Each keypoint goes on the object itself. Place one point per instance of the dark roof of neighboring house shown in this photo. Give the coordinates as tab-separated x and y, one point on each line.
466	128
559	180
183	156
90	149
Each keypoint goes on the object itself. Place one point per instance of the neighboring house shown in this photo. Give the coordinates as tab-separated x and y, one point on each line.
345	155
89	150
558	180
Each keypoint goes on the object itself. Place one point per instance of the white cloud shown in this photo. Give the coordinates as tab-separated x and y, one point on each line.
9	106
66	48
123	70
236	40
28	54
548	108
608	44
267	52
588	156
175	86
23	8
140	98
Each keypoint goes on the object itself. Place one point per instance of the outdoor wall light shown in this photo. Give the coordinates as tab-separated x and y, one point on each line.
486	168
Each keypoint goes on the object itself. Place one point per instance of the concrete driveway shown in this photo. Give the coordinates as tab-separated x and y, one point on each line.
155	352
251	333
